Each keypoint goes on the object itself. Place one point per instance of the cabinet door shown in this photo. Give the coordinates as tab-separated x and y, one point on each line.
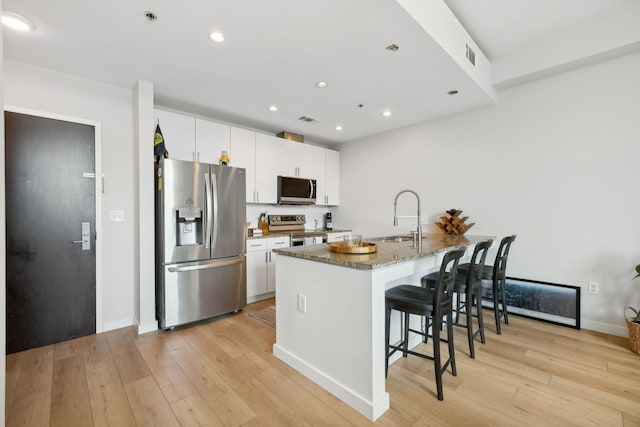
211	139
243	155
337	236
179	134
295	159
274	243
267	161
256	273
271	272
320	174
332	180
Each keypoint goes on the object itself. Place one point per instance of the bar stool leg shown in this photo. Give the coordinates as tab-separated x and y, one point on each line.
436	355
405	344
452	350
469	313
478	298
503	289
387	326
496	304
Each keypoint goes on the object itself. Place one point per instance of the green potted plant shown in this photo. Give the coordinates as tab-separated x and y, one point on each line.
633	322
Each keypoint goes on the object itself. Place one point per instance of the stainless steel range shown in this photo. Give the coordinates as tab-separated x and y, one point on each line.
295	225
283	223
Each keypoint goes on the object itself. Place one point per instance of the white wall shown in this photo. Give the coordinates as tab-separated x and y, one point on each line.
50	91
555	162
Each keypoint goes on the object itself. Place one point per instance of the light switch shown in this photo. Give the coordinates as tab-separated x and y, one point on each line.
302	303
116	216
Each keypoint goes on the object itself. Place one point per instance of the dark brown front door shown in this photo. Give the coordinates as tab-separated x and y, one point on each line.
50	193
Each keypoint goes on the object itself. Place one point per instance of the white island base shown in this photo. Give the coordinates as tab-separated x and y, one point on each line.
330	321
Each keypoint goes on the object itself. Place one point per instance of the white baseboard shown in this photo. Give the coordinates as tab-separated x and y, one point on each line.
117	324
606	328
371	410
260	297
146	327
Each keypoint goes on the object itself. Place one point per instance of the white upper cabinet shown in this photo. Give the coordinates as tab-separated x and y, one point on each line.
320	174
332	177
327	164
243	155
211	139
179	132
267	168
296	159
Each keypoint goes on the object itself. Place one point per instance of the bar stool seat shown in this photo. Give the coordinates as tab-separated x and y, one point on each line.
435	305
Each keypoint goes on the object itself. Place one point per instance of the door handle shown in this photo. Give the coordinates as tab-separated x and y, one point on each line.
208	224
86	235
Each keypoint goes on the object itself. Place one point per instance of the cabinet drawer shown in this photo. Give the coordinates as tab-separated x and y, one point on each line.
337	237
279	242
254	245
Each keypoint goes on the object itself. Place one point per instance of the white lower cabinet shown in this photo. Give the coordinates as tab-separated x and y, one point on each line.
261	272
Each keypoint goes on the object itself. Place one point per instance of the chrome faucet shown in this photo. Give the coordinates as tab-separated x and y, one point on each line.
417	244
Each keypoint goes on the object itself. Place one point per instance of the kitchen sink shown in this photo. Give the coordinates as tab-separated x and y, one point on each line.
397	239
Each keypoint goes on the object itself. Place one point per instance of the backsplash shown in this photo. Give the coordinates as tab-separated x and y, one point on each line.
311	213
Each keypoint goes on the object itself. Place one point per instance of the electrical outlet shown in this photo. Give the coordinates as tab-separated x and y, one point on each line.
302	303
594	288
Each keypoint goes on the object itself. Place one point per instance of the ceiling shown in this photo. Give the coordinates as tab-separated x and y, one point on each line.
274	53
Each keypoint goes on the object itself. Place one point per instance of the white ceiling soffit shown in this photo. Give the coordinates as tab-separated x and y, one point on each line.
526	40
437	20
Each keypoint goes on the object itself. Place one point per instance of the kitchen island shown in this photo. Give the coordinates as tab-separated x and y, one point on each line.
330	312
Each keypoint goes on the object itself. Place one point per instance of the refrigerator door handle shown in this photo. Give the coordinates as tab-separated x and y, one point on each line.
217	263
214	193
207	191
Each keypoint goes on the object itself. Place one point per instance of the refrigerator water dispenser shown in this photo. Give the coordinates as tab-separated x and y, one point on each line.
189	226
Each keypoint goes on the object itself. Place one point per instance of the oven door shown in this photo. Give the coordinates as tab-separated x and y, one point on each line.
301	240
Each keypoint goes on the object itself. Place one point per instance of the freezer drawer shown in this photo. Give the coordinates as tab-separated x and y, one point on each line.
199	290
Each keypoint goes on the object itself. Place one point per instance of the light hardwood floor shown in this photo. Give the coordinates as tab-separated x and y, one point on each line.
222	373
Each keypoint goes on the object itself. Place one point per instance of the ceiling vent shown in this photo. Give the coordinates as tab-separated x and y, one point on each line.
471	55
307	119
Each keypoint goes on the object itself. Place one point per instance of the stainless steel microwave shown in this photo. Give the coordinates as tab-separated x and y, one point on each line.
296	191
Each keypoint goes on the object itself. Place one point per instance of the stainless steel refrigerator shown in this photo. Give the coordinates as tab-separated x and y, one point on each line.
200	241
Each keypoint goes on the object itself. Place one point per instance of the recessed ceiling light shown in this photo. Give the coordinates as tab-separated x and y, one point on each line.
321	84
216	37
386	113
273	108
452	92
338	128
17	22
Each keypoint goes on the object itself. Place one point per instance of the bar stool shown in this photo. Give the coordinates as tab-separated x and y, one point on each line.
497	274
468	287
435	305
